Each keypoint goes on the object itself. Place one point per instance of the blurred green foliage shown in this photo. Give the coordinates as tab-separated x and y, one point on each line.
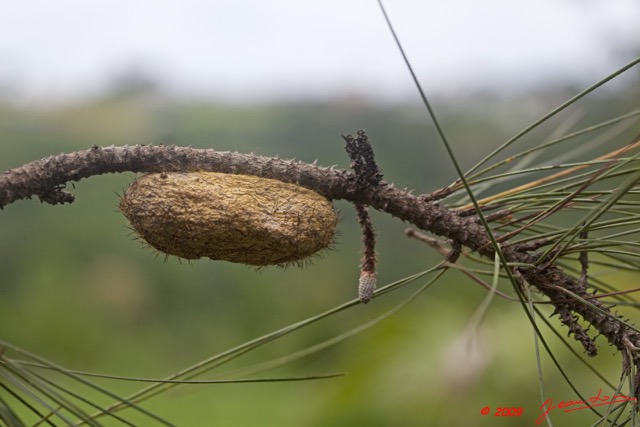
77	288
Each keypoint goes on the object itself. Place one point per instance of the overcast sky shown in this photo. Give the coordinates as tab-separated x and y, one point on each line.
249	50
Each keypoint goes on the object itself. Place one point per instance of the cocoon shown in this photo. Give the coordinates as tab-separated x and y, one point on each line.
235	218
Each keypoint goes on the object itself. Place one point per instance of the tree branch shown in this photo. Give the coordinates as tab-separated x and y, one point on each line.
47	177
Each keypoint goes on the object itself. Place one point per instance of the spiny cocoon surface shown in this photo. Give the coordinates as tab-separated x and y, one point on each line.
236	218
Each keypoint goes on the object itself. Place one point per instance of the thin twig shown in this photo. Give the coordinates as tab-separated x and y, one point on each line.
47	177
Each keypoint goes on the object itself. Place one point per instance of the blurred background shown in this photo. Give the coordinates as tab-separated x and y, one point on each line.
288	78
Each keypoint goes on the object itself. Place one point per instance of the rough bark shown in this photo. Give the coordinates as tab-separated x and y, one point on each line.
47	177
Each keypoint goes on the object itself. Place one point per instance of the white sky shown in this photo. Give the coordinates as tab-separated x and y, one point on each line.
248	50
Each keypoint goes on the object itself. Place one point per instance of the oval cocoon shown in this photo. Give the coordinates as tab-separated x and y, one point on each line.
236	218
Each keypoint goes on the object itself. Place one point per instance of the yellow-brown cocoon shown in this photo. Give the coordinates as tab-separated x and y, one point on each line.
236	218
